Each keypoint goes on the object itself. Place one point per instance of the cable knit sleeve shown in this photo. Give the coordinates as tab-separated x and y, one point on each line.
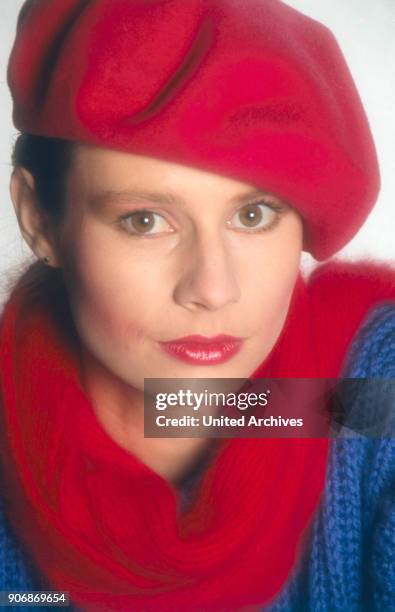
374	350
349	564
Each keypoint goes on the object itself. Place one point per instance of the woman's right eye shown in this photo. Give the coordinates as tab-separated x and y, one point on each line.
144	222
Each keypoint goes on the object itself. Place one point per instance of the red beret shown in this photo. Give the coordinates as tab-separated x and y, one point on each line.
250	89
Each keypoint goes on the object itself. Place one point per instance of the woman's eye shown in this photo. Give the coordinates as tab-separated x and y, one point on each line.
256	216
144	222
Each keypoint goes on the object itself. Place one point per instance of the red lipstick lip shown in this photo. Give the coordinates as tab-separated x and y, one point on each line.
203	350
206	339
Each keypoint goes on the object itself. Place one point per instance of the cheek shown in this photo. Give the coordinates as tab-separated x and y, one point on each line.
280	282
271	314
271	286
104	286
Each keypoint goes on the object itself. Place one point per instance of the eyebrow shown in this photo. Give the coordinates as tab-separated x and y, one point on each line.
102	199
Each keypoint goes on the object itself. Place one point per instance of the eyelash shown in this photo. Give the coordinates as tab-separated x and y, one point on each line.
279	210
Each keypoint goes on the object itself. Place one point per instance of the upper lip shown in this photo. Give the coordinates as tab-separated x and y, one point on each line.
204	339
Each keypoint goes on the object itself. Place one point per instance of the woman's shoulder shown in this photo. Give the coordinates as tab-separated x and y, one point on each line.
372	353
366	391
366	396
354	533
349	564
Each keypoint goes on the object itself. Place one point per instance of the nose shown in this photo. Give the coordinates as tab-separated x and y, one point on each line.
208	280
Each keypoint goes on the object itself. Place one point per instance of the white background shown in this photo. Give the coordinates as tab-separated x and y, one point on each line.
365	30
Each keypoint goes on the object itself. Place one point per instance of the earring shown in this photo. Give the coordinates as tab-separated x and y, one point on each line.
46	259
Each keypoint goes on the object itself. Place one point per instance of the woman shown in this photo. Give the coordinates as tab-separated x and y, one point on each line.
175	160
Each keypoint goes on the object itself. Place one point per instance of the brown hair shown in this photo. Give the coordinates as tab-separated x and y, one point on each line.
48	160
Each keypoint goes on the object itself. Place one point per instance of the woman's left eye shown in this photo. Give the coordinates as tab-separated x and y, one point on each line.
145	222
259	216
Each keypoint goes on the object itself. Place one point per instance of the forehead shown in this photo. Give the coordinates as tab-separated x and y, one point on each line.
105	172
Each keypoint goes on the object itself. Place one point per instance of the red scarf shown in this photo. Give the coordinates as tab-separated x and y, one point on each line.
104	526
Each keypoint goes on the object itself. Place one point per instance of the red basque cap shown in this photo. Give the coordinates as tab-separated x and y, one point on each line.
250	89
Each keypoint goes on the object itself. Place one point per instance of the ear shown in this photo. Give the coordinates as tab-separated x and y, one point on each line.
33	221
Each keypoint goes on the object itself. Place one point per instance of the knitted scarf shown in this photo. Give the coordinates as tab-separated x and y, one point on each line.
103	525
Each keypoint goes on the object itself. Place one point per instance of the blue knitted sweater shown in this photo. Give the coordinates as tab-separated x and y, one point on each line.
349	561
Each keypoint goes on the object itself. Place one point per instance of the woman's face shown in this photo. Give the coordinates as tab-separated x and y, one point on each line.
153	251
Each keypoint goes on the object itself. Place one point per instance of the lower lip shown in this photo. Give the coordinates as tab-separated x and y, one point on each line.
203	354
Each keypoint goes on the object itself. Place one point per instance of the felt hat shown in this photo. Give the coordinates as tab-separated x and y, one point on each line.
250	89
